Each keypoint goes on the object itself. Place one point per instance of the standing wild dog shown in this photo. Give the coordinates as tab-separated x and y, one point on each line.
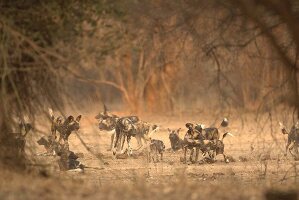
175	141
124	129
191	141
210	133
156	147
195	140
217	147
107	122
144	132
293	138
20	139
65	128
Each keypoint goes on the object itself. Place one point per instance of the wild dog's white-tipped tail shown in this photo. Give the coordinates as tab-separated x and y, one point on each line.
281	125
153	131
51	113
228	133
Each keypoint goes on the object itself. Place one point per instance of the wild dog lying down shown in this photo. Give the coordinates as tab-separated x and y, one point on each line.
68	159
156	147
175	141
64	127
293	138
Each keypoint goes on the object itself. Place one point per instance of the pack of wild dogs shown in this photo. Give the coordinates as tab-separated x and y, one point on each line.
197	139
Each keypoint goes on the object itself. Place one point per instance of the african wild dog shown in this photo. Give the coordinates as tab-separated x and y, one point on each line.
144	132
156	147
213	147
194	139
191	141
107	122
293	138
20	138
175	141
68	160
51	146
124	129
210	133
65	128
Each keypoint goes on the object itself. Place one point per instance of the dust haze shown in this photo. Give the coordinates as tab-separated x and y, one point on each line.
164	63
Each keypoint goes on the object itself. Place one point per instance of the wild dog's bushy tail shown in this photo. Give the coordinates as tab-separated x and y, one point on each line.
227	133
51	113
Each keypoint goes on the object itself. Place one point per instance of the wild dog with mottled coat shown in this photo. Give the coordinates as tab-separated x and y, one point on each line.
191	141
65	128
210	133
156	147
107	122
293	138
216	147
194	140
175	141
144	131
124	130
20	138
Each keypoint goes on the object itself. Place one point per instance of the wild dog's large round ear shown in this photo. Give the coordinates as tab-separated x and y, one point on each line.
70	118
168	129
178	130
98	116
78	118
224	122
189	125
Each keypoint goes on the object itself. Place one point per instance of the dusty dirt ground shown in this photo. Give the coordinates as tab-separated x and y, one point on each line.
259	164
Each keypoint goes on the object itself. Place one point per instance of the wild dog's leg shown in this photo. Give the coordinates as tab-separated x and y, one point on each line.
196	154
185	154
225	158
161	155
296	146
287	147
149	155
191	155
119	142
291	147
129	145
122	139
112	141
117	134
139	142
153	156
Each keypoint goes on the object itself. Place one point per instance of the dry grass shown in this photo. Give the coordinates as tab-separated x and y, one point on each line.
259	165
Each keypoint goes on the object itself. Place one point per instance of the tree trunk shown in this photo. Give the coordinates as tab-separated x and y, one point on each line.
11	152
